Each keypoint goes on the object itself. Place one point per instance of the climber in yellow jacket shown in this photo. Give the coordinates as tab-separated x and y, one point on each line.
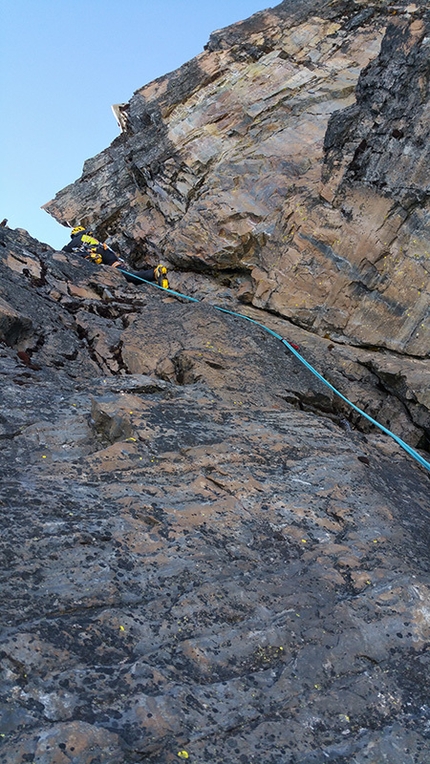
83	242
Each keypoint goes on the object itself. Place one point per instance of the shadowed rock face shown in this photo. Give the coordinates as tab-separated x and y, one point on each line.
293	152
192	558
203	548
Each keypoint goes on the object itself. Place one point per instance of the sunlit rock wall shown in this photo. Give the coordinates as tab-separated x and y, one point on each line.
292	154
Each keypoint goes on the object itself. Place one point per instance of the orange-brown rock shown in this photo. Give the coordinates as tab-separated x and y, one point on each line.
293	149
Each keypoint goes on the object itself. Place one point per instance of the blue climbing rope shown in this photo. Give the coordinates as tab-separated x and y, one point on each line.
414	454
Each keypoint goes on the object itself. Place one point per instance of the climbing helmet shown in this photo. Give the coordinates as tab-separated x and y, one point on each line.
160	270
77	229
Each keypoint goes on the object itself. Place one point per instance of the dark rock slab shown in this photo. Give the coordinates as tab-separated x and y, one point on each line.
194	557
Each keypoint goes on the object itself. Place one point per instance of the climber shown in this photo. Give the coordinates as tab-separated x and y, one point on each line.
84	243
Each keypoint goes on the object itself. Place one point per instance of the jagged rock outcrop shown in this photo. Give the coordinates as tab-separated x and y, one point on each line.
293	155
203	548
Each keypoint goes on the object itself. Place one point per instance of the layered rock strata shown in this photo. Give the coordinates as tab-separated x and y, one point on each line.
292	154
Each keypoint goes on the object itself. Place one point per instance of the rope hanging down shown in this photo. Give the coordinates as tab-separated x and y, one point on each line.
414	454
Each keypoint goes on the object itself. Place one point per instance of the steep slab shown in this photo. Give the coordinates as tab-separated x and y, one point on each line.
189	562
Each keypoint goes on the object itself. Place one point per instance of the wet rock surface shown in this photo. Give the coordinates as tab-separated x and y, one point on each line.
199	552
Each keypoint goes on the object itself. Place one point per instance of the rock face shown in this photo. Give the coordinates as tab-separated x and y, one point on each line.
205	552
191	561
293	155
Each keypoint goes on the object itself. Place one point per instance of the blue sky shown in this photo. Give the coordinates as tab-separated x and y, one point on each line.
62	64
